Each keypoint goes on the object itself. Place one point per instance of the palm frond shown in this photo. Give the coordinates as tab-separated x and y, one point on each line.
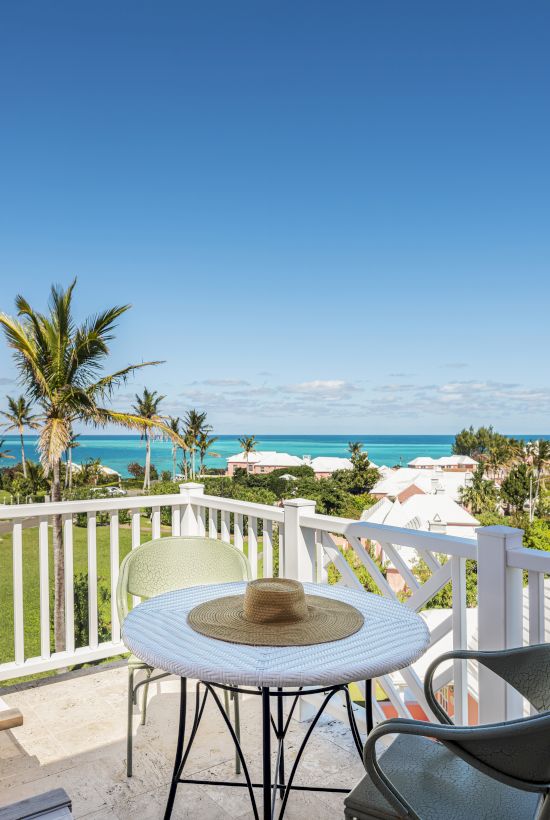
53	441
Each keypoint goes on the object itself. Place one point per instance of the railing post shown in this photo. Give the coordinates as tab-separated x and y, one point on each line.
299	563
299	544
500	617
189	517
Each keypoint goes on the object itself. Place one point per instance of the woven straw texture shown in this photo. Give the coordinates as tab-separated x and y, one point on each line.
275	612
391	638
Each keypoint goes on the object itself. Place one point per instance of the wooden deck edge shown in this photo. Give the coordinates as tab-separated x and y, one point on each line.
9	718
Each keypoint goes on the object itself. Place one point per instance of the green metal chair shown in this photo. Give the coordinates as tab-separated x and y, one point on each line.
493	772
163	565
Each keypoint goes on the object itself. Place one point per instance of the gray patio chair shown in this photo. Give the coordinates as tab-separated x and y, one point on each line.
161	566
492	772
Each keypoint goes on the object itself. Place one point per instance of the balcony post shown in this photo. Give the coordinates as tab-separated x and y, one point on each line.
189	519
299	563
500	617
299	542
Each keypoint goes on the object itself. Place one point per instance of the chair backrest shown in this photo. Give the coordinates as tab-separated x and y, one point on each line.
516	752
526	668
172	563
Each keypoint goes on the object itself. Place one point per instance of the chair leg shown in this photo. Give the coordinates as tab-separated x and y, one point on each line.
235	696
129	736
144	699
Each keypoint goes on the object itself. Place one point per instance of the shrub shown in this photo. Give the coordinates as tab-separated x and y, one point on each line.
81	615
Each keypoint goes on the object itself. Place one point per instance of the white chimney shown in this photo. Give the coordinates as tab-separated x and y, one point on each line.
437	525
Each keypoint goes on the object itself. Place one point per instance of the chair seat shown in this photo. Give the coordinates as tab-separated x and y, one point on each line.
137	663
439	786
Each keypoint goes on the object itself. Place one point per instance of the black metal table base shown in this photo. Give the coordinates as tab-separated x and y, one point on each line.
270	786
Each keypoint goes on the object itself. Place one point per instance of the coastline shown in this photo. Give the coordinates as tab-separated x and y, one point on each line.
117	451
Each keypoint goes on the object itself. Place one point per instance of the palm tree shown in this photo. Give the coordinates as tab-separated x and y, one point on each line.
4	453
194	423
540	457
480	495
60	364
18	416
146	407
73	444
248	445
205	442
355	447
36	477
174	423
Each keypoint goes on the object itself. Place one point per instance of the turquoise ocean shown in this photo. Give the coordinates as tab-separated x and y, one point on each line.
117	451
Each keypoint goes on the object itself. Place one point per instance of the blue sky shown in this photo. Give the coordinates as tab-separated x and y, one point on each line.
329	217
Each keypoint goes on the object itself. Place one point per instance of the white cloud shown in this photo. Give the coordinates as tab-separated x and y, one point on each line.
223	382
330	389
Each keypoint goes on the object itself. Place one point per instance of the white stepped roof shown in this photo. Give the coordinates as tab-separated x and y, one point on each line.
395	482
329	464
444	461
267	458
422	461
418	510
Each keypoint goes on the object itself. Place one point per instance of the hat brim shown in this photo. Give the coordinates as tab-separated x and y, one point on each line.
327	620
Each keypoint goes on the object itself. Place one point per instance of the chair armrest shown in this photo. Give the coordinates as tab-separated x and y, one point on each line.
462	654
502	735
429	694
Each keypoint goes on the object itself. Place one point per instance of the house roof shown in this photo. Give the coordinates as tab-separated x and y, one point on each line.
395	482
267	458
329	464
419	510
422	461
444	461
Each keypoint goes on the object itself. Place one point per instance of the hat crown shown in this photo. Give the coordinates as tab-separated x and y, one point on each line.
274	600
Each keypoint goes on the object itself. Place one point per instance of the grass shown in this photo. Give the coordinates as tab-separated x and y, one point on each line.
31	579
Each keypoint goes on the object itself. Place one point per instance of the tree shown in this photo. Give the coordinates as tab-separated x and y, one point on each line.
539	452
4	453
480	496
361	478
248	445
174	423
37	480
60	364
537	535
146	407
205	442
194	423
355	447
516	488
479	443
18	416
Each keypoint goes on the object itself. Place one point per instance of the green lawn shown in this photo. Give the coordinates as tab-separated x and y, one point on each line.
31	581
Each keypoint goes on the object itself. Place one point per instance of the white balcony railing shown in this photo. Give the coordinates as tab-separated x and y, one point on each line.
292	540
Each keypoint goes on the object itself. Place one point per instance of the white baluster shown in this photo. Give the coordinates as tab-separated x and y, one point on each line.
44	565
92	581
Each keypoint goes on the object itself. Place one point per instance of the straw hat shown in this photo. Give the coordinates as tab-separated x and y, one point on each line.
275	612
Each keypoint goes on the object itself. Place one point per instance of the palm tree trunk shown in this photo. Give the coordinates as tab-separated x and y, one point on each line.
23	459
59	566
70	469
174	459
193	463
147	476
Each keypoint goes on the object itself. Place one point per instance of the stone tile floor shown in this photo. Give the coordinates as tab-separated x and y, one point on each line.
73	736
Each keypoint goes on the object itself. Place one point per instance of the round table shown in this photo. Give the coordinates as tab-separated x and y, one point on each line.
392	637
